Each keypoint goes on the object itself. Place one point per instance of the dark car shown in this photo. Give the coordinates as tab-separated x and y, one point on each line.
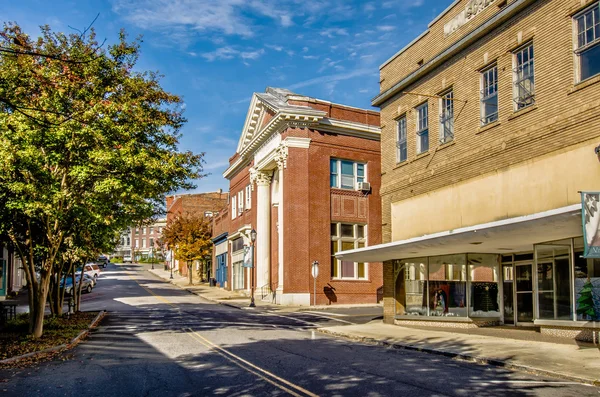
102	261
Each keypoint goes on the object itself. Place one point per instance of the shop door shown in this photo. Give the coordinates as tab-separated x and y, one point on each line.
508	288
524	292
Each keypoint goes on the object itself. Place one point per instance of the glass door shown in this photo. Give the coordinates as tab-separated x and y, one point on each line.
553	264
524	292
509	291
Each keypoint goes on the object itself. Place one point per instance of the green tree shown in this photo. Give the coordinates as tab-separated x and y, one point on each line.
585	302
189	236
86	141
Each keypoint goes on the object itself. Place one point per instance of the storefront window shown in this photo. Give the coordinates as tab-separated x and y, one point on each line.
483	273
587	287
415	274
447	286
553	282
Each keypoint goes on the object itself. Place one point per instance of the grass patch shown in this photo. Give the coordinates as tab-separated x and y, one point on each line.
15	340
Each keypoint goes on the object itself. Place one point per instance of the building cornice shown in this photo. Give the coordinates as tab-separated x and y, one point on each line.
350	128
302	118
480	31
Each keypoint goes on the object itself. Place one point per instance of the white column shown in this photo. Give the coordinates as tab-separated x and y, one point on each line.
281	159
263	228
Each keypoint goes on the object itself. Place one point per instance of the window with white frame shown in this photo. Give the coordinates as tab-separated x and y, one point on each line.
128	240
151	230
587	28
489	95
422	128
233	207
401	144
248	197
346	236
447	117
524	84
345	174
143	243
240	201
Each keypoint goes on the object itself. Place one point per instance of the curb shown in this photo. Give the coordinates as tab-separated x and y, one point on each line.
466	357
58	348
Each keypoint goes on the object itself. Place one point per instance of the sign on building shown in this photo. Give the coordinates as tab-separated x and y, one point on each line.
472	8
248	257
590	206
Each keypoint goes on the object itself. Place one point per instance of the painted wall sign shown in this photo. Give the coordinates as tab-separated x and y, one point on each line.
473	8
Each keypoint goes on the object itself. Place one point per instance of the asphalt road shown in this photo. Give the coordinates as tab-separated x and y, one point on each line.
159	340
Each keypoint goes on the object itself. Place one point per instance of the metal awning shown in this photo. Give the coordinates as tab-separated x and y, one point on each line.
499	237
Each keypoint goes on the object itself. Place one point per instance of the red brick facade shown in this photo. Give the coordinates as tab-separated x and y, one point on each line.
310	205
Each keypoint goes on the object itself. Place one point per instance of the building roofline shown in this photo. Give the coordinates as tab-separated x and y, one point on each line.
478	32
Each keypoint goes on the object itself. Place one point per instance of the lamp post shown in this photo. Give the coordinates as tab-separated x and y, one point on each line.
152	257
253	273
172	263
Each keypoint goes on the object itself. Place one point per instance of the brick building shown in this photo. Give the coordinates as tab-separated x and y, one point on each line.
208	204
145	240
300	177
489	123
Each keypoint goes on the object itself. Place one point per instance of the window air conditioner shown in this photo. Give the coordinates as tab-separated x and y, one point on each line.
364	186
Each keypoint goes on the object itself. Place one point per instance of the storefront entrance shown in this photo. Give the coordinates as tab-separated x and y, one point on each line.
518	293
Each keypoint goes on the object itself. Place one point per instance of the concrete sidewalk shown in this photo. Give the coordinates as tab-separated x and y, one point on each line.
214	294
567	360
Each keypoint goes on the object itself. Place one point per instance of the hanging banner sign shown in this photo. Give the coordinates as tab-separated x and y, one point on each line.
590	206
248	257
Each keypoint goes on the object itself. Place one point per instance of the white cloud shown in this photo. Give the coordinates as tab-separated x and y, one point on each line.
331	78
369	7
386	28
332	32
230	17
252	54
228	52
277	48
310	57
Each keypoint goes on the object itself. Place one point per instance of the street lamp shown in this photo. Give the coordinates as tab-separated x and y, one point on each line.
253	274
152	257
172	263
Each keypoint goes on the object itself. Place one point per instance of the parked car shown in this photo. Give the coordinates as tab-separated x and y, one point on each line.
102	261
86	286
127	259
91	269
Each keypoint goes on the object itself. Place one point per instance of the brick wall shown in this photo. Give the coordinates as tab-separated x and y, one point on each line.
564	115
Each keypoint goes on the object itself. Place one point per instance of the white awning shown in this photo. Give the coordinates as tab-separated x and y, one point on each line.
499	237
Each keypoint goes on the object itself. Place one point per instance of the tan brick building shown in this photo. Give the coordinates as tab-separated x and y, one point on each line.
306	178
489	122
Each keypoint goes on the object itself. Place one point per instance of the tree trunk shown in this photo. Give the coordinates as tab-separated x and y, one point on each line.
190	274
38	307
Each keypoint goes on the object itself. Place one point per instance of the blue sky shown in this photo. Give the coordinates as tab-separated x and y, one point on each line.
216	53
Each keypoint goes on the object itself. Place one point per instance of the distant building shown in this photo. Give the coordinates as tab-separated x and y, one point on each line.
306	177
145	239
207	204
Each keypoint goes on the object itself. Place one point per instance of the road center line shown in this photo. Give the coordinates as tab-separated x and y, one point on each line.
246	365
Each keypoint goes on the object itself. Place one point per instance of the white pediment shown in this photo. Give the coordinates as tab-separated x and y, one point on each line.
254	120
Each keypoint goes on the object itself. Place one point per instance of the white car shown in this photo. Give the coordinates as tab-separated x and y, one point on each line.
91	269
127	259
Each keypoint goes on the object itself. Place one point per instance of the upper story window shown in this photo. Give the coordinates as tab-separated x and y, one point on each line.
233	206
489	95
588	37
347	237
346	174
524	86
240	202
422	128
248	197
137	230
401	144
151	230
447	117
